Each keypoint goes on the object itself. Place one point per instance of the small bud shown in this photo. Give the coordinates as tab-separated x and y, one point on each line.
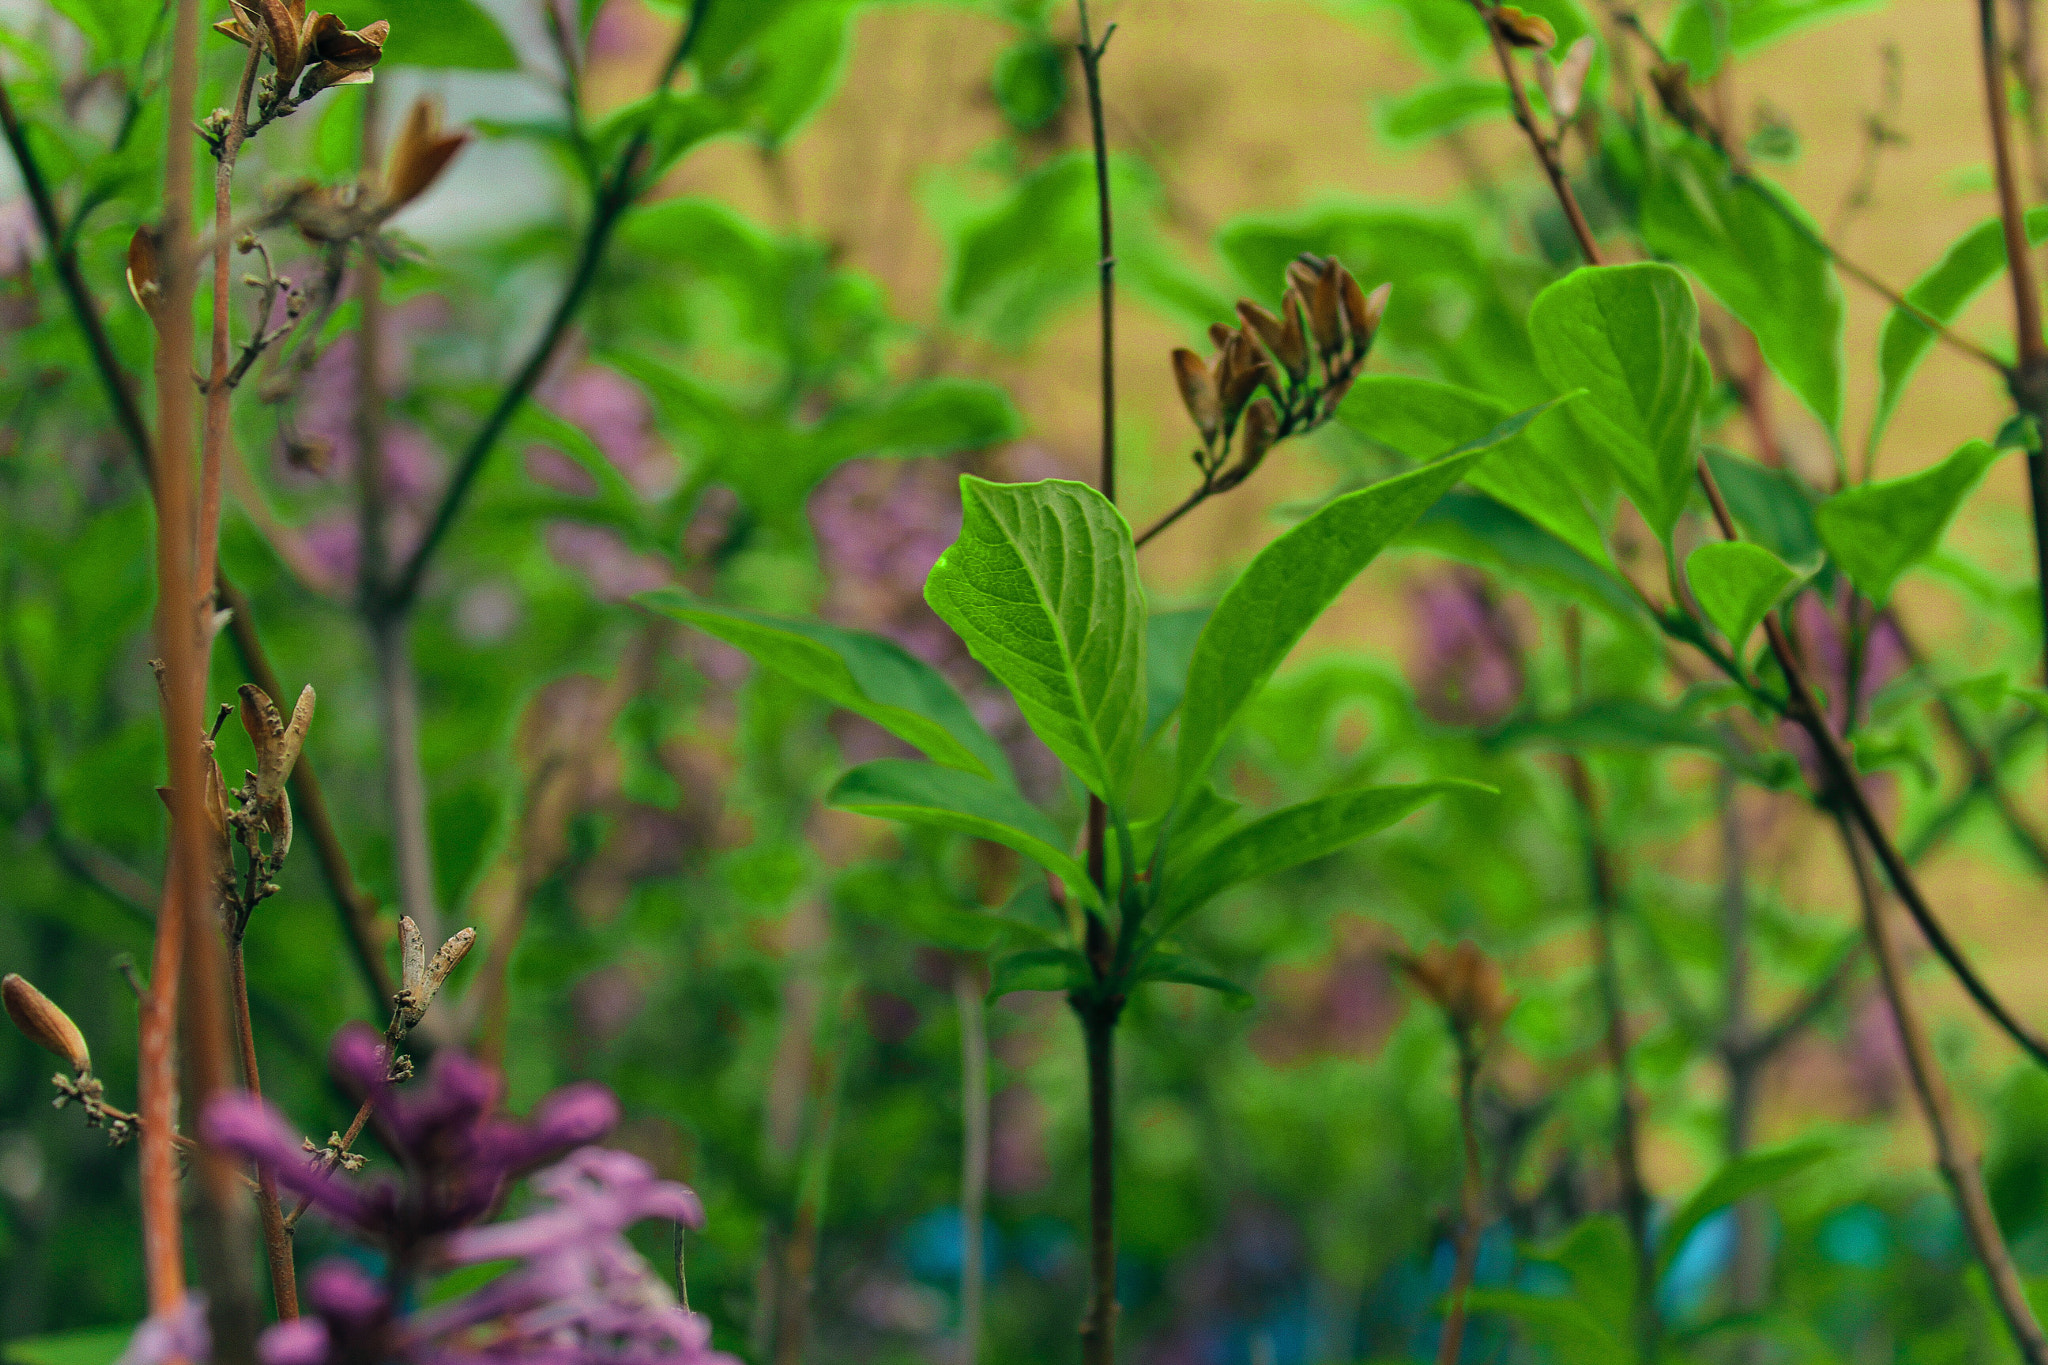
412	954
1325	316
1281	336
1219	335
43	1024
1240	370
1524	30
416	993
1198	393
1462	982
1362	313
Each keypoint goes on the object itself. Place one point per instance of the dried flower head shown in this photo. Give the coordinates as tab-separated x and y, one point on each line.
277	743
43	1024
421	152
311	44
421	979
1464	983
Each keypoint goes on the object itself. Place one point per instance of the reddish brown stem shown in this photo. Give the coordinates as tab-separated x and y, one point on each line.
1546	152
219	390
1453	1339
277	1241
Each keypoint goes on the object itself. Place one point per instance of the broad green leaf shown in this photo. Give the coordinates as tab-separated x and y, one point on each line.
117	29
1038	969
1542	473
1769	271
444	33
1704	33
1972	262
942	416
91	1346
1288	838
862	673
1741	1177
1436	109
1571	1331
1291	582
1170	638
1186	971
947	798
1877	531
1773	507
1736	583
1629	336
792	69
1043	586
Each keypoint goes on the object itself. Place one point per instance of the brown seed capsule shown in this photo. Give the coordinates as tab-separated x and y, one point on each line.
1325	319
1198	392
277	744
1303	272
43	1024
1219	335
1281	336
1240	371
420	154
1524	30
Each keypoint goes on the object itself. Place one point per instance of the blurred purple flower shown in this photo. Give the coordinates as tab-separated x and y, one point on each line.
20	240
1826	650
616	571
183	1337
1469	669
616	416
456	1151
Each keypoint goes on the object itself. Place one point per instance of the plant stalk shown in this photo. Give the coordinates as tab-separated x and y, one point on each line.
277	1240
969	986
1453	1340
1958	1161
219	388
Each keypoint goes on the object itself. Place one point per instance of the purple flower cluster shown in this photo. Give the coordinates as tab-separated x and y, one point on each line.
577	1293
1469	668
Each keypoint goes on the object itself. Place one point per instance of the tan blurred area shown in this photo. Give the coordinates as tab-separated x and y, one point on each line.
1253	106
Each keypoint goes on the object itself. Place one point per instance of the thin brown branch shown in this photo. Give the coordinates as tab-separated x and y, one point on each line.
1453	1340
277	1241
1958	1161
1546	150
219	388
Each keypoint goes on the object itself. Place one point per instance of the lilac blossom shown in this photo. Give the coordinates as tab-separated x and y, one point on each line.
1469	668
183	1336
456	1151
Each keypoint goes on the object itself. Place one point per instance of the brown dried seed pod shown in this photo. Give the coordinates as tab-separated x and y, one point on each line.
144	271
1220	335
277	744
1198	392
43	1024
1261	429
1246	369
412	954
1280	336
420	154
1325	313
1463	982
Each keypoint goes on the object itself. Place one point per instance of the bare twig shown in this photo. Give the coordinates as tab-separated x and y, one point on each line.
219	389
1958	1161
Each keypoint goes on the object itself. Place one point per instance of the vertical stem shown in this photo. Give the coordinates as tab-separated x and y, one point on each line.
968	987
1098	1331
1742	1061
277	1240
185	886
1099	1012
1453	1340
2029	378
214	439
1635	1194
1953	1152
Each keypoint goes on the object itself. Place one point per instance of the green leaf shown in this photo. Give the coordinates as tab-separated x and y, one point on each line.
1436	109
1481	531
1741	1177
1170	638
1038	969
1767	270
947	798
923	910
1573	1332
1629	336
1703	33
1595	1255
861	673
1736	583
1043	586
452	34
91	1346
1539	473
1774	507
1972	262
1287	838
1291	582
1877	531
117	29
1187	972
1031	82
